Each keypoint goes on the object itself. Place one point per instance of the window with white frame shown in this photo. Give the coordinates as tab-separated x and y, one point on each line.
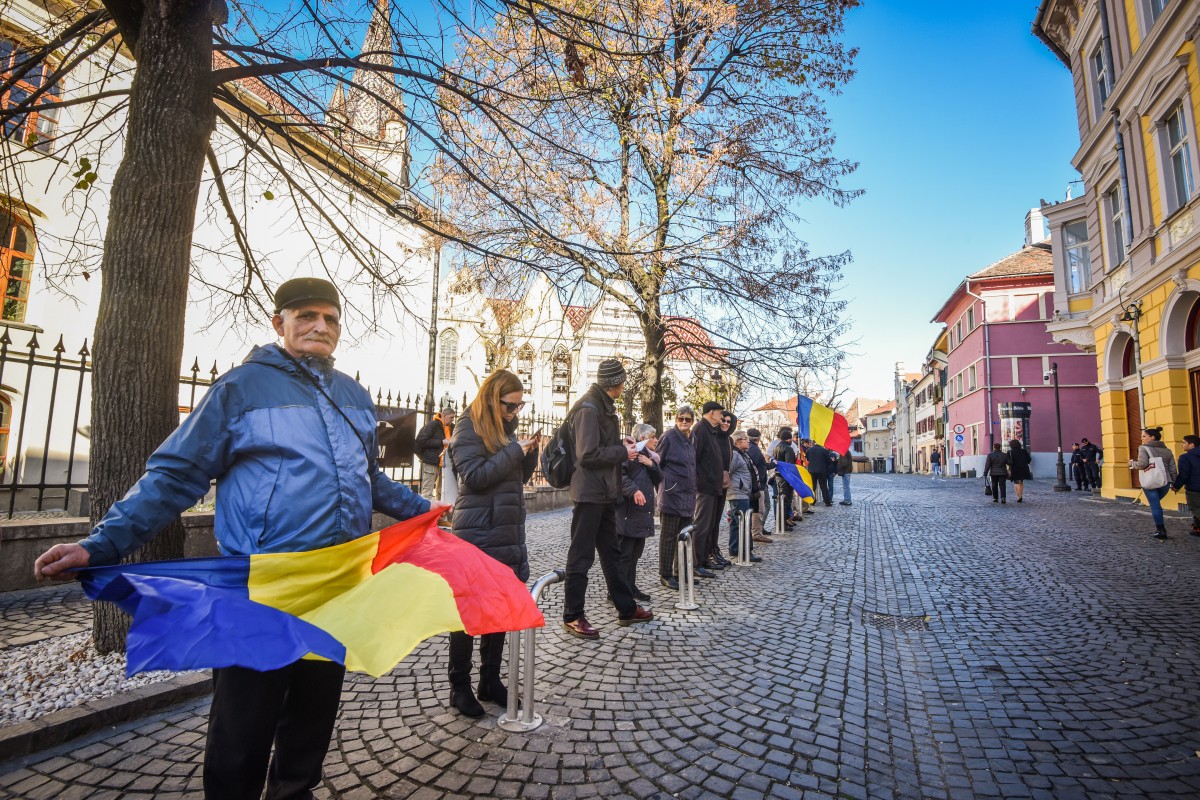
1101	84
958	330
1078	256
448	358
971	378
971	318
1115	218
1177	166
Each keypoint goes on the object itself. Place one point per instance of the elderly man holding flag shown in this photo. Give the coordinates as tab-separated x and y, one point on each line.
291	442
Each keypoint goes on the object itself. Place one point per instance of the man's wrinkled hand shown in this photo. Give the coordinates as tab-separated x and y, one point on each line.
639	499
59	562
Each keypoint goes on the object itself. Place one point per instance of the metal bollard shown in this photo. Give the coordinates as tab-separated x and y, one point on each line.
743	556
683	560
779	520
528	720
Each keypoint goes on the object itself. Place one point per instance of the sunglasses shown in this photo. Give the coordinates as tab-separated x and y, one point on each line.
684	419
512	408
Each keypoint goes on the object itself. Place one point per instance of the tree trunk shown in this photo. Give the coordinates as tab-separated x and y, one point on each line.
654	330
147	249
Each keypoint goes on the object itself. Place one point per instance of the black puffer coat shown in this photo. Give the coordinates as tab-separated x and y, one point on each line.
634	521
490	509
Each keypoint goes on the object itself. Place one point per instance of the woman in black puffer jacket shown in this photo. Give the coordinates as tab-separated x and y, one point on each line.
492	467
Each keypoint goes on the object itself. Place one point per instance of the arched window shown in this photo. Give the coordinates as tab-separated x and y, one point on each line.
1192	330
525	363
561	371
448	358
1127	365
16	264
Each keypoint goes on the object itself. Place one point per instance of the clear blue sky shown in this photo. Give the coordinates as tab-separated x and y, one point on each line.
962	121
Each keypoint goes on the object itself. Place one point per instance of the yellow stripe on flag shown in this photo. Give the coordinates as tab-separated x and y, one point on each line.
382	620
299	582
808	481
820	421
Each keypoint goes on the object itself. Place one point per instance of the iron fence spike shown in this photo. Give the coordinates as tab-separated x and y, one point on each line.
33	342
5	339
84	351
196	365
60	348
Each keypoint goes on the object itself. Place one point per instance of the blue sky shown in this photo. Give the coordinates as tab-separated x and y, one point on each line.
962	121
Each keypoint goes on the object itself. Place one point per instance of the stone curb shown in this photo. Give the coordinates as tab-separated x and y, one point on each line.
70	723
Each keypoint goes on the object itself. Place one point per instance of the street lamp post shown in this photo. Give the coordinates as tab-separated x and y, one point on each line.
1060	469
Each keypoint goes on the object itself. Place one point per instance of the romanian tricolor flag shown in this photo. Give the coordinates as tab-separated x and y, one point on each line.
366	603
799	478
822	424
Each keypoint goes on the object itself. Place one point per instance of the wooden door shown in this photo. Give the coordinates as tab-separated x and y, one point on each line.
1133	424
1194	382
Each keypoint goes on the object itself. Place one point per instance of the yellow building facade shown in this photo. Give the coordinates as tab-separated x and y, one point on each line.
1127	246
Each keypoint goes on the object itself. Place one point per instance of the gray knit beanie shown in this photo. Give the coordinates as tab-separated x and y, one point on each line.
611	374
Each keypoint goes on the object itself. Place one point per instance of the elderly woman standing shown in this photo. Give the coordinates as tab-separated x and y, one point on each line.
1153	447
635	521
492	467
677	461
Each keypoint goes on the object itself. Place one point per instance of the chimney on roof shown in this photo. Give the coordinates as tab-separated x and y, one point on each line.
1036	229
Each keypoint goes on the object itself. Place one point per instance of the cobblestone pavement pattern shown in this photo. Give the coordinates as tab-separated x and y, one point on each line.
922	643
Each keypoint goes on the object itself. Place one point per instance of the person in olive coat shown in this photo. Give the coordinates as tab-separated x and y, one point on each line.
493	466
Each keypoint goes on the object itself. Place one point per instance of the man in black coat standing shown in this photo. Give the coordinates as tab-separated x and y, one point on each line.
596	492
431	444
818	467
712	479
758	503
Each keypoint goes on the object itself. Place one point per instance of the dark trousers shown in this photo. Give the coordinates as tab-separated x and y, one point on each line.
999	487
1081	477
1193	501
821	484
668	543
1093	471
294	707
594	530
491	654
631	550
736	509
708	524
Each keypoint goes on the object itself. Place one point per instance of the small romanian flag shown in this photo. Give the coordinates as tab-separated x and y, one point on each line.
799	478
823	425
365	603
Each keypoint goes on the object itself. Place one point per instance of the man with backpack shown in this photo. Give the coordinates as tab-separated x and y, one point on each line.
599	454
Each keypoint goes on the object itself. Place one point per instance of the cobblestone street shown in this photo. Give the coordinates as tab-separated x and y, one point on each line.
923	643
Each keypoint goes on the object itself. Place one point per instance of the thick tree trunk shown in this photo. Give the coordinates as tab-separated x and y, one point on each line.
147	249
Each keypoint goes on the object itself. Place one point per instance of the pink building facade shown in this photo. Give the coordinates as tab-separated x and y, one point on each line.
1000	353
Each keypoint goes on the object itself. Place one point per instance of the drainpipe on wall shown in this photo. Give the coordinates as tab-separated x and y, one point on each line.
1110	69
987	366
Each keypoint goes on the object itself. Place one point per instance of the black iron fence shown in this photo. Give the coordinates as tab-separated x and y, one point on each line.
45	401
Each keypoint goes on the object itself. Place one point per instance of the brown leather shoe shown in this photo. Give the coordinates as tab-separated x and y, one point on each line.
758	537
640	615
581	628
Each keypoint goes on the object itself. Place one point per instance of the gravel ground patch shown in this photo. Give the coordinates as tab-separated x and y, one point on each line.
61	672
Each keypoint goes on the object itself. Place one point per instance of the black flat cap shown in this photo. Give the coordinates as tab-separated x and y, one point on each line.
303	290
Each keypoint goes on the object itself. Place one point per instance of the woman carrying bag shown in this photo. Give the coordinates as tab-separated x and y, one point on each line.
996	470
1157	465
492	466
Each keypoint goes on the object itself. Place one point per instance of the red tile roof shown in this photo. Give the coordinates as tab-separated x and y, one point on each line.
503	310
1035	259
686	338
883	409
577	315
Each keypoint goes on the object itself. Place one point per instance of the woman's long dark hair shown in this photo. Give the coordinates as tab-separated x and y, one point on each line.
1153	433
486	411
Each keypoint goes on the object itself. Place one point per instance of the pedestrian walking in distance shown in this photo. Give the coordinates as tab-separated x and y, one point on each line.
845	466
1018	467
1153	457
1188	478
493	466
935	463
996	468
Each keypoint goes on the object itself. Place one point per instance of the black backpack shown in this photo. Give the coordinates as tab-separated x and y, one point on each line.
558	456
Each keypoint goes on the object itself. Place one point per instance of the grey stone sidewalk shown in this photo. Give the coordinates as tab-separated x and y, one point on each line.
923	643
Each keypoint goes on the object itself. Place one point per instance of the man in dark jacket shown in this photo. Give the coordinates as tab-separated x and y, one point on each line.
1189	478
818	467
1091	461
595	492
758	502
784	452
1078	469
712	480
431	443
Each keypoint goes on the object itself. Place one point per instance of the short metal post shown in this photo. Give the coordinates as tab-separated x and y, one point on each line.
779	520
743	532
683	560
528	720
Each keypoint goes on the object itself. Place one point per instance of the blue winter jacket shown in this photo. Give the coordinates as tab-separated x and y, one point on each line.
292	474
